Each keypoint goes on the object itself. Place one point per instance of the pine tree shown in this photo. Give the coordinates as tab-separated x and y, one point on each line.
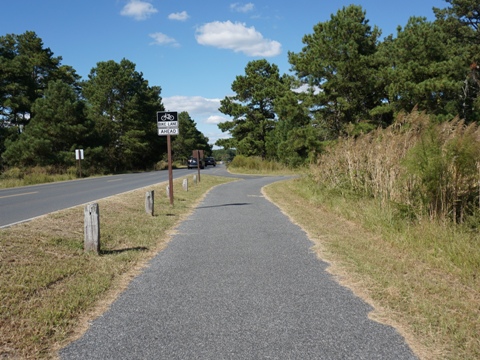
123	107
252	108
338	60
57	129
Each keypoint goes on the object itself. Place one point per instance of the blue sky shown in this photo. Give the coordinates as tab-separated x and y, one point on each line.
192	49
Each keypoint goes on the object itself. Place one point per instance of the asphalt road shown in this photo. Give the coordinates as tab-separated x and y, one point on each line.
237	281
23	203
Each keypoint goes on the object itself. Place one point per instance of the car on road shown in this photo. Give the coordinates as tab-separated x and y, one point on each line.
193	164
210	161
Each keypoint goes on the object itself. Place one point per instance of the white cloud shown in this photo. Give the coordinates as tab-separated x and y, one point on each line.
237	37
215	119
244	8
213	136
162	39
138	9
181	16
194	105
203	111
305	88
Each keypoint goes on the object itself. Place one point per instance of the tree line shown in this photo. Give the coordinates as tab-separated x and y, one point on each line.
47	111
347	81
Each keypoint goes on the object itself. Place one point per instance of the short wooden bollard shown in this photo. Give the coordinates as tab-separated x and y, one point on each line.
168	191
92	227
149	202
194	179
185	184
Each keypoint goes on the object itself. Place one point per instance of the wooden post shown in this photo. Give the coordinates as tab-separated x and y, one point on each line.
195	179
198	164
92	228
149	202
185	184
168	190
170	173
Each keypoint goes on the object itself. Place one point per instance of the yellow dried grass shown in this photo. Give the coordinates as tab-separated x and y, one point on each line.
374	165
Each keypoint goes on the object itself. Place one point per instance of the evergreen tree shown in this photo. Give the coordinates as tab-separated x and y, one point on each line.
461	20
252	108
465	13
123	107
296	138
56	130
26	67
228	144
421	69
338	60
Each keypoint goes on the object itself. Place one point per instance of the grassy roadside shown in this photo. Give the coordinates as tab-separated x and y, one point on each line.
16	178
422	279
50	287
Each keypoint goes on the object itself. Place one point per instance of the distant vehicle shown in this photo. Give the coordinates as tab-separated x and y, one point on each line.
210	161
192	163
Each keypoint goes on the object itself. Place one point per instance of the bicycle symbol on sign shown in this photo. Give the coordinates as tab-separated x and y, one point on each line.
168	117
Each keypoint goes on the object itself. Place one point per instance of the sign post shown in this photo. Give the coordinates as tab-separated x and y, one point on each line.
199	155
170	171
167	124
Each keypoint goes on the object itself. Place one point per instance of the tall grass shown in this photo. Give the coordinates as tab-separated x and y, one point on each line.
426	169
15	176
415	186
256	165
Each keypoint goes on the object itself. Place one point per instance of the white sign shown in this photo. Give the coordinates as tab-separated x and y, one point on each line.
79	154
168	131
167	124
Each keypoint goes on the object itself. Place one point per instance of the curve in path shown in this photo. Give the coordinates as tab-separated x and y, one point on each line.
238	281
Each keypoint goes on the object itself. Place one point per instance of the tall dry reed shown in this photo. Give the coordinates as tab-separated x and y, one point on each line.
426	169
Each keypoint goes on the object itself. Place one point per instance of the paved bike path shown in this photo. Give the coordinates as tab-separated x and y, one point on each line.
238	281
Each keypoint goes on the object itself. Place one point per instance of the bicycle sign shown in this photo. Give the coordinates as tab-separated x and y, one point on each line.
167	123
163	116
168	116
